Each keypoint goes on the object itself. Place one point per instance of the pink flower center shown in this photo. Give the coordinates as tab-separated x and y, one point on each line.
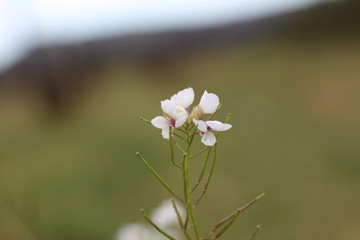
172	122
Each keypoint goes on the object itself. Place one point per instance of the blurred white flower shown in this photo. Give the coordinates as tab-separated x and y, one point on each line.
135	231
165	216
177	109
208	138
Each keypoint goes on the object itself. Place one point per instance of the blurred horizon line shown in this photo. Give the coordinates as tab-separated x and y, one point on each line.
38	40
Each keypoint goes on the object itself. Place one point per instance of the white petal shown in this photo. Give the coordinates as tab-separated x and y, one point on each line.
201	125
208	139
209	102
218	126
223	127
160	122
183	98
167	106
165	133
179	122
179	112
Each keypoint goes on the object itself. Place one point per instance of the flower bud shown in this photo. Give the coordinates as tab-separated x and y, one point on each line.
196	113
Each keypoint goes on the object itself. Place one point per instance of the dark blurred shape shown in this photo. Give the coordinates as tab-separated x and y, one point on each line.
328	21
60	73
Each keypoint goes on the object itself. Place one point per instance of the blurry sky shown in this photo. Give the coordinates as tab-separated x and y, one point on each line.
28	23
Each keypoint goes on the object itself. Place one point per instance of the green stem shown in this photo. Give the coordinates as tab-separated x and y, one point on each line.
187	187
180	219
228	118
182	130
186	223
196	154
158	177
179	147
156	226
203	169
172	149
193	135
177	213
227	226
145	120
179	137
254	234
210	175
230	219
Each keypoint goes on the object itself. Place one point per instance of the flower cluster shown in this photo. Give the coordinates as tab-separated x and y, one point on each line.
177	114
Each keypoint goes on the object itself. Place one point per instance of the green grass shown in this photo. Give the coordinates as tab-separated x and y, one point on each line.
295	136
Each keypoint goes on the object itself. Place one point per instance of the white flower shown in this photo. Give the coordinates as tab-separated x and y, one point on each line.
177	109
164	124
165	216
177	106
183	98
208	138
209	102
135	231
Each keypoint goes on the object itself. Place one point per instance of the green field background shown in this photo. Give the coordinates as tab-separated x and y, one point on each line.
295	136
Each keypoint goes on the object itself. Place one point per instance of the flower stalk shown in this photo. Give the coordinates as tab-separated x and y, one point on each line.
166	186
187	187
181	123
172	149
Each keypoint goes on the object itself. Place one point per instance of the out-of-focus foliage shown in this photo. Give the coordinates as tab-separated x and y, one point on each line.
295	136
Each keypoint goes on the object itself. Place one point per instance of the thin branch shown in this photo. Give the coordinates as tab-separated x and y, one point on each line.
145	120
175	134
232	217
177	213
256	232
237	210
209	177
203	169
158	177
186	223
228	118
180	220
193	135
179	147
181	130
172	150
227	226
192	125
203	150
156	226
